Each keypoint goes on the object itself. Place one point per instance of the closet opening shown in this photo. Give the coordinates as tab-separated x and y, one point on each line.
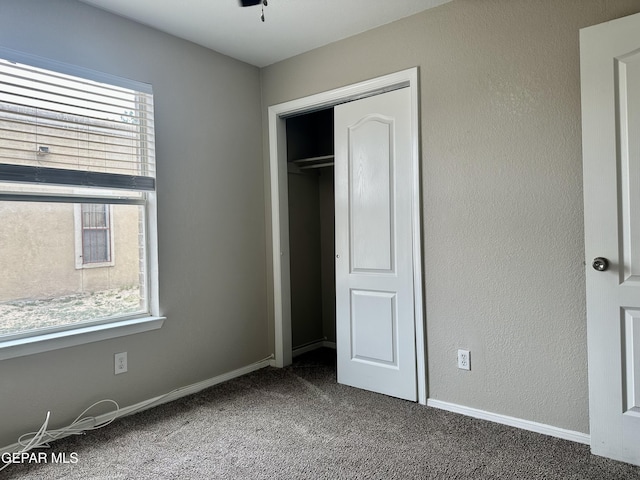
310	179
279	213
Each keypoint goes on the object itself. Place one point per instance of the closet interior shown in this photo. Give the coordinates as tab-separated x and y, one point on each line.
311	228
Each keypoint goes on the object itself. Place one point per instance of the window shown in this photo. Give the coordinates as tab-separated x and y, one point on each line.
94	237
96	234
77	186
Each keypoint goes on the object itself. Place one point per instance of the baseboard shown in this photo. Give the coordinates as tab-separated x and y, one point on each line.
309	347
512	421
327	344
166	398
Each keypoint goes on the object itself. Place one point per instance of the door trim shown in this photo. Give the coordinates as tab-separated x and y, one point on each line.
280	212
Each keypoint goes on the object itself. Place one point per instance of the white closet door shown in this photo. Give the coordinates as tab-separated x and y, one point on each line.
374	265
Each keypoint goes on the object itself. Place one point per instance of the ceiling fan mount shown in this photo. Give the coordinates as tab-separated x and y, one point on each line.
251	3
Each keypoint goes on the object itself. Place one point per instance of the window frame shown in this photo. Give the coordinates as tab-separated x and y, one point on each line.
86	331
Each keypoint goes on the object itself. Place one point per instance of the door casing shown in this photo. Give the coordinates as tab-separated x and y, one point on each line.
280	212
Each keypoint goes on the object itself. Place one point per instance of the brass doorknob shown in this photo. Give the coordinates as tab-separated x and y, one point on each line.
600	264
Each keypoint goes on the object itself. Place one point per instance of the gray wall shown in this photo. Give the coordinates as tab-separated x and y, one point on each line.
502	190
210	208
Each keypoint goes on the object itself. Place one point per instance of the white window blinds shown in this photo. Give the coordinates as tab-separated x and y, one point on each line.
63	129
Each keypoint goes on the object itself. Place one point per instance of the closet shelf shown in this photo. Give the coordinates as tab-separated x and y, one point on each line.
314	162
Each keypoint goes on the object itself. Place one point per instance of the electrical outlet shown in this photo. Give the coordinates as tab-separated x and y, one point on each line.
464	360
120	362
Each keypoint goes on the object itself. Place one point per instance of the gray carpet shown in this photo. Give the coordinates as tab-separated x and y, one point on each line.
298	423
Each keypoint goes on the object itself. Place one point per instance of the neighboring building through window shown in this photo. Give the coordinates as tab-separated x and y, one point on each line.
77	190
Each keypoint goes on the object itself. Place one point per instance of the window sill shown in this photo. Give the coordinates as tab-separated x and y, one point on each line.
78	336
83	266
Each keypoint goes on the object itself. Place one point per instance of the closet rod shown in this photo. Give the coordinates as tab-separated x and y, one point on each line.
314	162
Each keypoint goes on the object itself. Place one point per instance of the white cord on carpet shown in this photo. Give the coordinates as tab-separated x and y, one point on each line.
42	437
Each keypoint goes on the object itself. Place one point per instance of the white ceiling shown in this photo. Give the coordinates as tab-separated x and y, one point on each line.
291	26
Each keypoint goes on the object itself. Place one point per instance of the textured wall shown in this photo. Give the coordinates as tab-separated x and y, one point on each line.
502	190
210	217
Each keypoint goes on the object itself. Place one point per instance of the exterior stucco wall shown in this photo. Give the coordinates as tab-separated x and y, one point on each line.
38	250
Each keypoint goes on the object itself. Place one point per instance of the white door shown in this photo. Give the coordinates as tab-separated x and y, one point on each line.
375	326
610	74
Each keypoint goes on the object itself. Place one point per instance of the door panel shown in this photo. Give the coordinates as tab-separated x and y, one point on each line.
632	360
374	327
371	194
374	262
610	76
628	107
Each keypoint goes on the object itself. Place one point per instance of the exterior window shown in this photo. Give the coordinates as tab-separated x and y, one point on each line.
77	198
96	234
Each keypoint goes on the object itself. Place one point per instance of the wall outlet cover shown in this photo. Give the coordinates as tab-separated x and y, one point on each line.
464	359
120	361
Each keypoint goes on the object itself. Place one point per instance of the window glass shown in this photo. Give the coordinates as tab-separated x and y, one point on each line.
41	286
